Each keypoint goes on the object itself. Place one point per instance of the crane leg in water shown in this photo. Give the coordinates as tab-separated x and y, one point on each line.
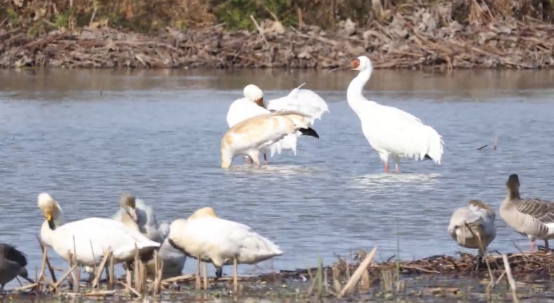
386	166
265	159
396	163
246	159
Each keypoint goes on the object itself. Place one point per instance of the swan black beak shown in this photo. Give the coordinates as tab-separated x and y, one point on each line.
309	132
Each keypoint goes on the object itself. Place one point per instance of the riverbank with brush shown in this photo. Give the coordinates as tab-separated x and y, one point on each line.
432	279
422	38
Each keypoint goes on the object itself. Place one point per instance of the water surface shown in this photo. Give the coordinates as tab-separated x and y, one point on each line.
86	136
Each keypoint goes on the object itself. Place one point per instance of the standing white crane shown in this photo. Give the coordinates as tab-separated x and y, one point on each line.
389	130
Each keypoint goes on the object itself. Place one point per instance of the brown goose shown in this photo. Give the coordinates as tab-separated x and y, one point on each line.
472	226
12	264
531	217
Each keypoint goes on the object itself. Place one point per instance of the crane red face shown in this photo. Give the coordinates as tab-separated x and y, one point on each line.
355	63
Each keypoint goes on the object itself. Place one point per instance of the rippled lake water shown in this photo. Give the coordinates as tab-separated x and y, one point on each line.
87	136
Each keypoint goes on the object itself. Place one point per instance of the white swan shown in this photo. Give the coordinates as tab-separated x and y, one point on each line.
147	223
91	237
389	130
472	226
250	106
299	100
251	135
206	237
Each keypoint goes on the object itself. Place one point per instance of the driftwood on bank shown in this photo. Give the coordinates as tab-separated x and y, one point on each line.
421	40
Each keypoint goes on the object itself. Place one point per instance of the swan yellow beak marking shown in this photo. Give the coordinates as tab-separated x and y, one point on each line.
48	217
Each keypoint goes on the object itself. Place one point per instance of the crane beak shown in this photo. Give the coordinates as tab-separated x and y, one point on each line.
339	68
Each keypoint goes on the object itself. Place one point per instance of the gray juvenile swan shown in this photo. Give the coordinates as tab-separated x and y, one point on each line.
479	217
531	217
136	214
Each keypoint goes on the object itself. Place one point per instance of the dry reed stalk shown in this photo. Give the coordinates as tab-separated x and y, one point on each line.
136	270
336	280
143	278
184	278
197	285
500	278
205	274
98	273
348	276
100	293
42	269
111	273
260	30
25	287
77	272
387	281
157	286
129	280
313	279
131	289
93	256
67	273
358	272
525	255
365	280
43	248
325	280
509	277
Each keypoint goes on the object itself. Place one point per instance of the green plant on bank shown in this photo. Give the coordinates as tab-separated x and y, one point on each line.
151	15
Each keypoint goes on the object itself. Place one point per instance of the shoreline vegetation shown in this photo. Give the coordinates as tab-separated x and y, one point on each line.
357	276
401	34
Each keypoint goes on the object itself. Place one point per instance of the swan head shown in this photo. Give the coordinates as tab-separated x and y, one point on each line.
203	213
476	205
361	63
49	208
254	94
513	183
128	205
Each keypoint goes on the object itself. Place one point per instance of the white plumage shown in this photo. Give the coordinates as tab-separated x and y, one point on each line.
205	237
389	130
251	135
298	100
147	224
301	100
250	106
91	237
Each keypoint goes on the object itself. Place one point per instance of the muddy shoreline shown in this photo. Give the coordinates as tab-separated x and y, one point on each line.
424	40
433	279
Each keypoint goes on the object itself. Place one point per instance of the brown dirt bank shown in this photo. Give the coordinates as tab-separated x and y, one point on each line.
428	38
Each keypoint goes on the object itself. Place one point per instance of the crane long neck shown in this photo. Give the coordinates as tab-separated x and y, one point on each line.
354	92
